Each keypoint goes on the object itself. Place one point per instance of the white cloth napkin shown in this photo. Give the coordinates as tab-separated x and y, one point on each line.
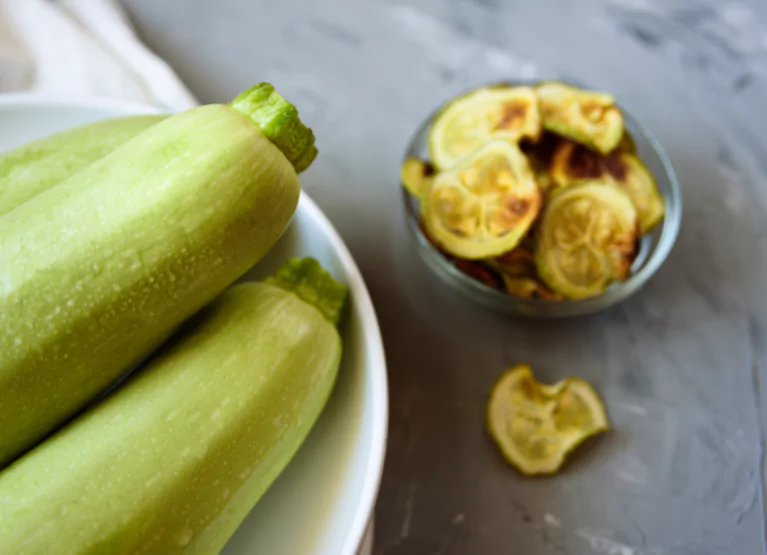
82	48
86	48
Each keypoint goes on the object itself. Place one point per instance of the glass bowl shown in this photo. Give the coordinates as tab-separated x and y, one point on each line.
653	248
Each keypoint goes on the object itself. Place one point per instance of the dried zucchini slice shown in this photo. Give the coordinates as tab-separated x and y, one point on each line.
573	164
535	425
519	261
480	116
415	175
545	181
627	143
587	117
528	288
481	272
520	276
539	155
485	206
631	175
587	239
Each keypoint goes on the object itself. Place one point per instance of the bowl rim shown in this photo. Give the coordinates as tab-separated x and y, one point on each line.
379	387
375	373
499	300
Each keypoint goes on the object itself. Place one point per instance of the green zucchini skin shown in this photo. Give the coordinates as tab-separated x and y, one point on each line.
98	270
172	462
30	169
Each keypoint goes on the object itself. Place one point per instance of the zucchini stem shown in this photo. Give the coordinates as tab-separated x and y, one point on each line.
278	120
307	279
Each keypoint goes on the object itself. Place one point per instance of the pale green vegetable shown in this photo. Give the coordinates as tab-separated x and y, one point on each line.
30	169
174	460
98	270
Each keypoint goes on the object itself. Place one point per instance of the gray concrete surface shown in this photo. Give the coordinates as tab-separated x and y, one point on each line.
681	365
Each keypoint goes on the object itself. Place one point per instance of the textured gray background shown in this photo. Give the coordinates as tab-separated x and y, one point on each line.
679	365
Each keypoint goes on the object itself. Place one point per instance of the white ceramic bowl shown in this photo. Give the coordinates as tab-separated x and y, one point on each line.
321	504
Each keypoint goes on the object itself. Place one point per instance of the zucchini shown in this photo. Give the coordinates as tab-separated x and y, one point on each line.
173	461
97	271
37	166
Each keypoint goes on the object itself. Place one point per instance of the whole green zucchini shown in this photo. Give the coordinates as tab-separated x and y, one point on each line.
98	270
173	461
37	166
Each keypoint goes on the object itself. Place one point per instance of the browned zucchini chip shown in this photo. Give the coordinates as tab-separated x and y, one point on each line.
587	239
572	164
485	206
415	174
587	117
486	114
